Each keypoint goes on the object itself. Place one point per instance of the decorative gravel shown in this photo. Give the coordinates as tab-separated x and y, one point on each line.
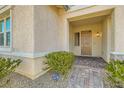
87	72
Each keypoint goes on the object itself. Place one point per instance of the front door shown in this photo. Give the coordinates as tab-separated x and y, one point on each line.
86	43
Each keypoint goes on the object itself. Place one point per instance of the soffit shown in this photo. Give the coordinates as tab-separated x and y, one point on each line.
88	21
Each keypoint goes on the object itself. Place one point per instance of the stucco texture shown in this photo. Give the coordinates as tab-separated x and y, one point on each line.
46	29
22	28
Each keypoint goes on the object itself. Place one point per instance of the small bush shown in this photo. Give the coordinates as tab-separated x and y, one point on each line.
7	66
115	73
60	62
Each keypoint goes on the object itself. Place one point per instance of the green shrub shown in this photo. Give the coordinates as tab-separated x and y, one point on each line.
60	62
7	66
115	73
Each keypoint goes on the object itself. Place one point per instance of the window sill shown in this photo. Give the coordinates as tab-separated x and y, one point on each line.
7	49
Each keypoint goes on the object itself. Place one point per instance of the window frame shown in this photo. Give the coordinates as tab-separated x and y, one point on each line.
77	39
5	47
2	32
7	31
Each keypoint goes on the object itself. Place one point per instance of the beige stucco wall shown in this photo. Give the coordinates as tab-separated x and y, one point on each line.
96	41
29	67
47	33
71	36
104	39
22	28
23	42
43	35
119	28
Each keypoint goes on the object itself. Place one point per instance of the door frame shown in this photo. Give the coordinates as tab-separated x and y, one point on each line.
91	42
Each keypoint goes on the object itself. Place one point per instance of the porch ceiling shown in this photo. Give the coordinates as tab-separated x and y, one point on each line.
87	21
91	15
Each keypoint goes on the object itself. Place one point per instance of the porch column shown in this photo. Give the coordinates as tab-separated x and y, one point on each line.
66	35
109	37
118	52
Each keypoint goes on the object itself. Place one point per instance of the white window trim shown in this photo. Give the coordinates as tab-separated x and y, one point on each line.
6	48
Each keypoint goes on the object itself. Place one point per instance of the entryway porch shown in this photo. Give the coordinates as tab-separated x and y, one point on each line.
92	35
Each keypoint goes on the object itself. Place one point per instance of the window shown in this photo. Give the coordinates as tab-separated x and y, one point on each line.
77	39
2	33
5	32
8	31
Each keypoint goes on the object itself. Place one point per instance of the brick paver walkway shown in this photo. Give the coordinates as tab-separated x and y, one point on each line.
87	72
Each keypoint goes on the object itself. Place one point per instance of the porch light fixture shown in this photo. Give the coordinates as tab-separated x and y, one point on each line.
98	34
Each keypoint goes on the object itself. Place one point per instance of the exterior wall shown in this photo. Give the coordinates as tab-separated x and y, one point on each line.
22	29
46	29
104	40
107	40
25	68
30	67
118	16
64	29
96	41
71	40
23	41
118	51
45	39
35	32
